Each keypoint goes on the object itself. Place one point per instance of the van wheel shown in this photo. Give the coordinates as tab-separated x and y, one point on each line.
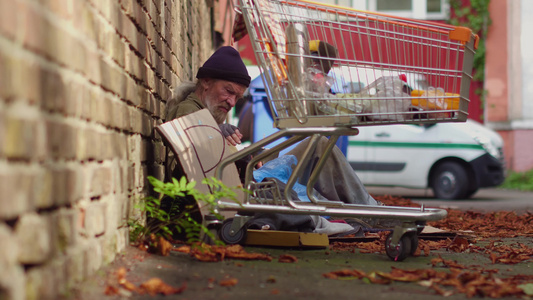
450	181
471	191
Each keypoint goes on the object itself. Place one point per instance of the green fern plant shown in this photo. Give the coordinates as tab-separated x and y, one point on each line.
178	216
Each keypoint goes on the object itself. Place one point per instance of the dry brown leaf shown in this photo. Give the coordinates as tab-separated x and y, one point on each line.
229	282
183	249
207	253
156	286
287	258
164	246
111	290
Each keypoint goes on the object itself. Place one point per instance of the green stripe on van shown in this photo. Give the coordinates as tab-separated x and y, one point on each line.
415	145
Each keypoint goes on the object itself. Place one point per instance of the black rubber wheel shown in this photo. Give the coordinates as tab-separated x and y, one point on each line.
227	238
450	181
401	251
414	242
471	191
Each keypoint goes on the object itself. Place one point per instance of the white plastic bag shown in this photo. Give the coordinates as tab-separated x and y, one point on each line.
389	99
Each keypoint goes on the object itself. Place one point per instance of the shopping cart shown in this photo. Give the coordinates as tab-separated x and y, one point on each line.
417	72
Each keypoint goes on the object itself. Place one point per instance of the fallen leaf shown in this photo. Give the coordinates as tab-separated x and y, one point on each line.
229	282
287	258
164	246
156	286
183	249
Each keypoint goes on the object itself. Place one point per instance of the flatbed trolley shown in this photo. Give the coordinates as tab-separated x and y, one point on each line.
419	72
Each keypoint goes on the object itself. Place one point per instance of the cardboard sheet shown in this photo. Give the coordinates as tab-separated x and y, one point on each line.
286	238
200	146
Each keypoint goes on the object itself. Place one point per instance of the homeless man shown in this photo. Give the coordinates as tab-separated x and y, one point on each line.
222	80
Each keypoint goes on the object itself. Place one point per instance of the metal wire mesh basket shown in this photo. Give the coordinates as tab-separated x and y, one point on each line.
381	69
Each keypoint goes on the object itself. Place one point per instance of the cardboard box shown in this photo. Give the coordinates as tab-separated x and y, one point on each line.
286	238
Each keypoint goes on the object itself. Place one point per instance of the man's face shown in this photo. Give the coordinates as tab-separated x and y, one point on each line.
220	96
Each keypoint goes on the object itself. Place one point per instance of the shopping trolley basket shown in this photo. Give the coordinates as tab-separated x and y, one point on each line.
391	70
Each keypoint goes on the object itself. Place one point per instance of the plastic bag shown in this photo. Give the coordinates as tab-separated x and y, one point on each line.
390	98
382	99
281	169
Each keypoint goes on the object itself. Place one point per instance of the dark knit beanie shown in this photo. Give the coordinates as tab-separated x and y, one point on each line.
226	63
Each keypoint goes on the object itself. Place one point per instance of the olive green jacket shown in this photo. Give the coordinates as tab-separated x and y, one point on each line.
188	106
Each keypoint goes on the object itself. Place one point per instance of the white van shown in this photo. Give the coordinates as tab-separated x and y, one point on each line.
454	159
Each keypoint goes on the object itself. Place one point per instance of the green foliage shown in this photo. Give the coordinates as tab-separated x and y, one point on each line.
177	215
476	17
519	181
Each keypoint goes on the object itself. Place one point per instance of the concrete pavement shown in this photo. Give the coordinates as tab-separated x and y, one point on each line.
304	279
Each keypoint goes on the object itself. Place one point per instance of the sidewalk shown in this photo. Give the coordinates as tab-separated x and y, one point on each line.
274	280
304	279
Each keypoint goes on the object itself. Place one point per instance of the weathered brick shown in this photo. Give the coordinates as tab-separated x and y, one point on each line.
159	152
61	138
12	283
121	181
118	48
75	97
92	138
109	247
19	138
15	189
81	144
45	281
112	206
117	108
131	178
100	182
94	221
43	189
135	120
67	184
64	231
62	10
132	91
9	249
33	237
54	91
123	237
75	264
122	146
93	257
8	18
134	144
85	109
93	67
3	124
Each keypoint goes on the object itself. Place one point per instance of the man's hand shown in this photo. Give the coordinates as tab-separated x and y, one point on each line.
231	133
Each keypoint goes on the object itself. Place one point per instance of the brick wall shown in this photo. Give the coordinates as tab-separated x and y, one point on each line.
82	85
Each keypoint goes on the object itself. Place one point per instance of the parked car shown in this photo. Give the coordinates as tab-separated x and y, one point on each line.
453	159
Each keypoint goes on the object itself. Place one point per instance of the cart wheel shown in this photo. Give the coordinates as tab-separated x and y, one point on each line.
226	237
401	251
414	242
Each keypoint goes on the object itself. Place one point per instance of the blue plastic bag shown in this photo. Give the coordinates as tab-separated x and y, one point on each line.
281	169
